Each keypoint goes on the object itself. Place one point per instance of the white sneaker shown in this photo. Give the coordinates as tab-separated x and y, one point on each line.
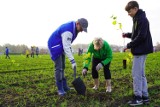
95	88
108	89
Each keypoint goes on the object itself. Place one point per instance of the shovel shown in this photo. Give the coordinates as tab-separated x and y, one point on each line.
79	84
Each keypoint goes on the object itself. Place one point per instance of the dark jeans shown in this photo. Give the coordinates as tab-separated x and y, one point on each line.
7	56
106	69
59	67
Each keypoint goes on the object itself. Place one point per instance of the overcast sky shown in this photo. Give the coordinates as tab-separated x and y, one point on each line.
31	22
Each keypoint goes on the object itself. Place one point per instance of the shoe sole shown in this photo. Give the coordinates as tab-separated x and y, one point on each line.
108	91
135	104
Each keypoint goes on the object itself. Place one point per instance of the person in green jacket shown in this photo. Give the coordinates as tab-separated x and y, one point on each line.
101	54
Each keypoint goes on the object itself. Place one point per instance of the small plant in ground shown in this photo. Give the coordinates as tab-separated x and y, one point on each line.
128	57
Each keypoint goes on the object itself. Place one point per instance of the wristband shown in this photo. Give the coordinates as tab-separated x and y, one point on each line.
73	61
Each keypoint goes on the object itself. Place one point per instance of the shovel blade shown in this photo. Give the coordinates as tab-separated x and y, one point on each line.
79	86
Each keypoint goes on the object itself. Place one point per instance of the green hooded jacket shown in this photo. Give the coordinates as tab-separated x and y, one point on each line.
105	54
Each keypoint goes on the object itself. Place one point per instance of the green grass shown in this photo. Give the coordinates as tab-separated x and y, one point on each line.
30	82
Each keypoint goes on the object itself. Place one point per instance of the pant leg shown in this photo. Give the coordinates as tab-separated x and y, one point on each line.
7	56
63	65
144	79
95	62
107	73
58	68
137	71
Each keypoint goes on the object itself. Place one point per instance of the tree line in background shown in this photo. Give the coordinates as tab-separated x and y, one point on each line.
21	49
157	47
76	47
115	48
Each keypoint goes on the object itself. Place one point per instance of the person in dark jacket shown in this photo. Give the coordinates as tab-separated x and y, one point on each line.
59	44
37	51
7	53
101	54
32	51
140	45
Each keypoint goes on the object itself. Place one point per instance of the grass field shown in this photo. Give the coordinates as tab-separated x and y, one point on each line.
29	82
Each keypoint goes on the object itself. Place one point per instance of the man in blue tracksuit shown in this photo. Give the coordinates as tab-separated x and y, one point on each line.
140	45
7	53
59	44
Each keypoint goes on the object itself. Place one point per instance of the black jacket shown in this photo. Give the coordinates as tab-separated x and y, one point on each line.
141	40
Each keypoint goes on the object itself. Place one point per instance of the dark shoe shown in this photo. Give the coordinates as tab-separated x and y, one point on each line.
145	99
136	101
129	102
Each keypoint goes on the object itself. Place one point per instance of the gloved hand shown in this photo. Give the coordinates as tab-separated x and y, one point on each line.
124	35
99	66
84	72
73	64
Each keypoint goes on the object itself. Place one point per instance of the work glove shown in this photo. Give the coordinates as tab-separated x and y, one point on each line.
73	64
124	35
84	72
99	66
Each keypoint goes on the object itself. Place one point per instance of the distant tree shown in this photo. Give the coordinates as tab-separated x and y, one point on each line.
157	47
76	47
43	51
116	48
1	49
14	49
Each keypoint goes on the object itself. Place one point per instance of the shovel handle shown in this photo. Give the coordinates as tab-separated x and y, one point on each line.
74	72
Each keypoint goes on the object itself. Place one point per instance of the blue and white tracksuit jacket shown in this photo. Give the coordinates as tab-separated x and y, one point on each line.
61	39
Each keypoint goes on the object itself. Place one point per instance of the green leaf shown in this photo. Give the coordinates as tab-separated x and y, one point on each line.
120	25
114	17
114	22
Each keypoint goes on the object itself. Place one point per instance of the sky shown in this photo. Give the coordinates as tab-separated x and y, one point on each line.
31	22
